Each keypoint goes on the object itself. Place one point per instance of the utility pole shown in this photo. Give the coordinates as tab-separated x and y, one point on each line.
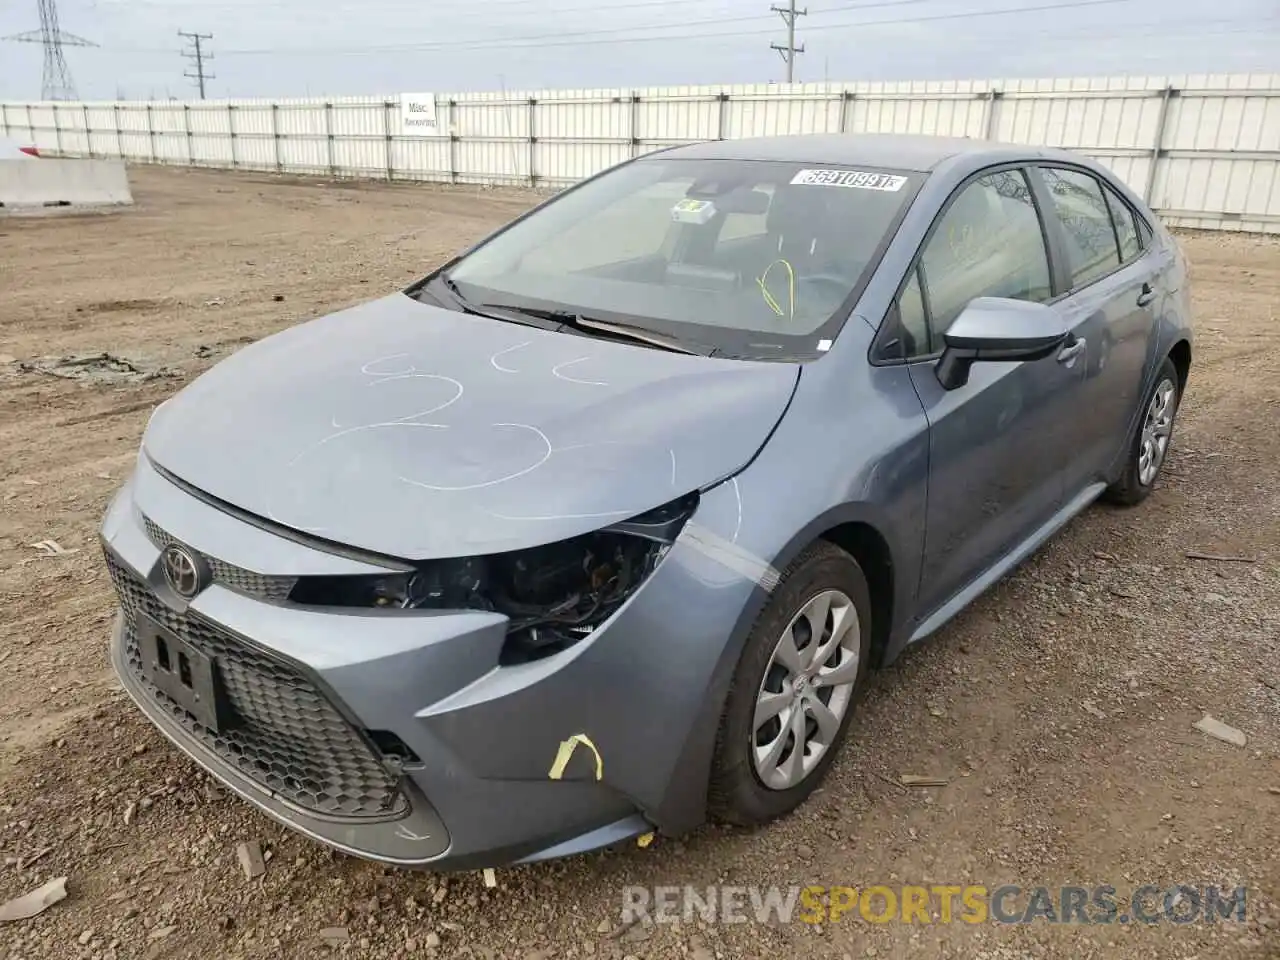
56	78
199	55
789	51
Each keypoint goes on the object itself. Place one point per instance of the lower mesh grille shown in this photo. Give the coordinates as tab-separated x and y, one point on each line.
289	738
264	586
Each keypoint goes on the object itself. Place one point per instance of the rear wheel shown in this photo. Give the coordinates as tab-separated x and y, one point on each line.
794	689
1150	445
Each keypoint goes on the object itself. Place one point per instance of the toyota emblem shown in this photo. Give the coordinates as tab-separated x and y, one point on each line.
182	571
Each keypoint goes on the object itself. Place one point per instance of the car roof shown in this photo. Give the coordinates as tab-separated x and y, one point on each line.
902	151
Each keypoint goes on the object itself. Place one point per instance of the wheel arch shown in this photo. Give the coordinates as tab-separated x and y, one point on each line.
868	546
858	529
1180	355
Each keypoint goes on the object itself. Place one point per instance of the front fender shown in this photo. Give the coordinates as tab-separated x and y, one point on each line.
788	498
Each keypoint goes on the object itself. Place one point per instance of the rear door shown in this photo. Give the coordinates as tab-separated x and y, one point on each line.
1110	295
997	444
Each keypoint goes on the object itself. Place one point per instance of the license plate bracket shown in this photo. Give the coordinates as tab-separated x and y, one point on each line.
185	674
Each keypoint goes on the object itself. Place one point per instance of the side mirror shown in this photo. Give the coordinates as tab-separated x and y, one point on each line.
994	328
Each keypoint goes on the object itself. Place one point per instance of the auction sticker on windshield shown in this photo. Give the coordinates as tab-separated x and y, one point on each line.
859	179
693	211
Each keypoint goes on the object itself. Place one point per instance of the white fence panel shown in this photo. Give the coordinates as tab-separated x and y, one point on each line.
302	127
254	142
72	133
1203	149
169	133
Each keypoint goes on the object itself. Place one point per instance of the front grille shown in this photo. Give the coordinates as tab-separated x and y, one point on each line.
264	586
289	738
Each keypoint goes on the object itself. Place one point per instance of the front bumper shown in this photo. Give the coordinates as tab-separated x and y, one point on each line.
320	693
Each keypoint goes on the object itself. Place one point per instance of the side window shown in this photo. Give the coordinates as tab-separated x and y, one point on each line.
911	317
1144	233
1125	224
1091	238
988	244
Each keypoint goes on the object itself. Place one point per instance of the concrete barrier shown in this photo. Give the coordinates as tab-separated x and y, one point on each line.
47	181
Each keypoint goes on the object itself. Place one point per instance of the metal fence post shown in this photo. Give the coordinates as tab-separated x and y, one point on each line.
231	132
1157	148
533	139
186	127
635	124
453	143
88	131
328	133
387	107
275	134
115	112
4	119
991	122
151	134
31	127
57	132
846	105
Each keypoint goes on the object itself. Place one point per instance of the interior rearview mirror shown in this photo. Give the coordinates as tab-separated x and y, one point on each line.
739	200
995	328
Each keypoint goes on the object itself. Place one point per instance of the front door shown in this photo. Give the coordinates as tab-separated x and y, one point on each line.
997	445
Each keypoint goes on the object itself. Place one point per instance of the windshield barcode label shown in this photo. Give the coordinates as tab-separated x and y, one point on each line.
859	179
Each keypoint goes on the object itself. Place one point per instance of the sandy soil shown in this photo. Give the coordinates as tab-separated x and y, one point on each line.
1059	708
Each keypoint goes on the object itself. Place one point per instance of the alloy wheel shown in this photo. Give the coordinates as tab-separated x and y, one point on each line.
806	690
1157	429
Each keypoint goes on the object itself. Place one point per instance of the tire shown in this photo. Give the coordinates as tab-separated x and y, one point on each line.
1136	481
739	793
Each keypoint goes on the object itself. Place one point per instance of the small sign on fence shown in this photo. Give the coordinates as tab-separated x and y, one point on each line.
418	114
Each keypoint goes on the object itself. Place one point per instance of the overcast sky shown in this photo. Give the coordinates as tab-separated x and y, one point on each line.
313	47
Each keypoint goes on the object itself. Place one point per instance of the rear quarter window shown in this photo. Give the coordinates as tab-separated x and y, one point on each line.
1122	217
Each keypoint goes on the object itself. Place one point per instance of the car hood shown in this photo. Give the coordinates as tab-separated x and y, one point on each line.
419	432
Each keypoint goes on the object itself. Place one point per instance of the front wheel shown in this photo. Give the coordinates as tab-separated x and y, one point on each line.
1150	445
794	689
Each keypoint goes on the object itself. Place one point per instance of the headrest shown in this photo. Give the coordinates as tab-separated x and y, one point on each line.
797	212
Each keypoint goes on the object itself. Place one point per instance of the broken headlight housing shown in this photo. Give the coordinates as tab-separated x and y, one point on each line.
553	594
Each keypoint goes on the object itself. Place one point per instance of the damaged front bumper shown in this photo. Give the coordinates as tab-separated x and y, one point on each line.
397	735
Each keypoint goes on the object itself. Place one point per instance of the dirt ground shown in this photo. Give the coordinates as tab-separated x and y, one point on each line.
1059	708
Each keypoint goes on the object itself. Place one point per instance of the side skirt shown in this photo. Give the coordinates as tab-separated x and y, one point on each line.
1006	563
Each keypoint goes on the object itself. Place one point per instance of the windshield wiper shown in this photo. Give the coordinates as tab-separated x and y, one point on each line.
483	309
625	331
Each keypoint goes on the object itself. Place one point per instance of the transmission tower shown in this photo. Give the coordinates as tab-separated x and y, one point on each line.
55	81
789	49
198	55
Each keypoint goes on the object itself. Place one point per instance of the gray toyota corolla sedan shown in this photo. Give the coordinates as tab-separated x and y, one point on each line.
596	530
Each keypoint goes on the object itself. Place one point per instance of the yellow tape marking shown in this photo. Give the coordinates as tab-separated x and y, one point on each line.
566	751
762	282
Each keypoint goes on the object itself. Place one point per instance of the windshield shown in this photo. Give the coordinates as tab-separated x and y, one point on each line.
758	259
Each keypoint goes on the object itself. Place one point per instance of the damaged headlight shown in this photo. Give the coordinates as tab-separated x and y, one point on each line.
554	594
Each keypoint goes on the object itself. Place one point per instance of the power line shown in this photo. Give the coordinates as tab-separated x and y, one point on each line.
714	35
55	78
198	54
682	26
789	51
562	39
538	6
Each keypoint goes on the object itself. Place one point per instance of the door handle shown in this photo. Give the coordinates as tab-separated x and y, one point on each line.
1072	350
1146	296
